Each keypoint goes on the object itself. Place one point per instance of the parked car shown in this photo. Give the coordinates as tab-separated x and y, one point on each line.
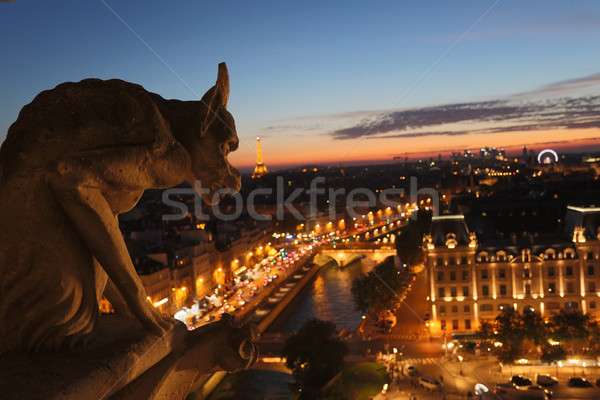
520	381
546	391
513	393
430	383
579	382
546	380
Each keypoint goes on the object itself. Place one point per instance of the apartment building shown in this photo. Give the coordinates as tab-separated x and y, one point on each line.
470	281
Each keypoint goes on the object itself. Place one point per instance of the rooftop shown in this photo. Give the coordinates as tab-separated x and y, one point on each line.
587	218
445	225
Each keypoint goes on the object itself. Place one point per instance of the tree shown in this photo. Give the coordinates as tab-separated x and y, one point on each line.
594	338
381	287
508	330
508	353
508	327
363	293
485	333
315	353
410	239
570	326
551	354
533	327
408	244
514	330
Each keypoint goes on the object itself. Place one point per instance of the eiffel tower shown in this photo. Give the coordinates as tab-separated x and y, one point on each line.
260	168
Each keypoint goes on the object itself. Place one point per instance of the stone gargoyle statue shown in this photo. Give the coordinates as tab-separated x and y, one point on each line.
224	344
77	156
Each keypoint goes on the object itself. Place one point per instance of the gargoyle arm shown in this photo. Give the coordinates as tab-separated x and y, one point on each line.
134	167
93	219
78	185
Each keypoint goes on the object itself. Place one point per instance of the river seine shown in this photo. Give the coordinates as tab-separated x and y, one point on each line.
327	298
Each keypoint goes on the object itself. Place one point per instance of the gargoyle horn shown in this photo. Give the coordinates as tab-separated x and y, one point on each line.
223	84
216	98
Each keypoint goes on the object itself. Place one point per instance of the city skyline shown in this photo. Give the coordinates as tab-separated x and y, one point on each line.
333	84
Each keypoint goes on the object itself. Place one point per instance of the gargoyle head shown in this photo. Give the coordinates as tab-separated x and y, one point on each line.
240	351
210	145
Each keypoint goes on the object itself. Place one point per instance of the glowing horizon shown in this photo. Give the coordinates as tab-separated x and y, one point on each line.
579	141
363	83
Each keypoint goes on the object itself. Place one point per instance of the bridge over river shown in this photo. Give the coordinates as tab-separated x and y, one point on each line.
370	253
328	295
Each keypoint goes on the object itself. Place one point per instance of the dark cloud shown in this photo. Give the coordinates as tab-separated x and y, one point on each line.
569	141
280	127
566	85
504	116
422	134
283	128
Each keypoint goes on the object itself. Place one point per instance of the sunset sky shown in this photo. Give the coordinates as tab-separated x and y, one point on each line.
332	82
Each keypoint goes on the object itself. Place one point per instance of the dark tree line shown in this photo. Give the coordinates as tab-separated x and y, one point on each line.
410	238
513	335
384	286
381	288
315	353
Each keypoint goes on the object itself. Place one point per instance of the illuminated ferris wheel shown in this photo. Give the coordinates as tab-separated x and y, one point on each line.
547	156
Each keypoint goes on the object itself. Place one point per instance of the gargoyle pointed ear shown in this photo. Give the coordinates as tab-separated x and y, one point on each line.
216	97
223	84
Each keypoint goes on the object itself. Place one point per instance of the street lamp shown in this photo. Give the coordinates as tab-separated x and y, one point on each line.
460	359
523	362
573	363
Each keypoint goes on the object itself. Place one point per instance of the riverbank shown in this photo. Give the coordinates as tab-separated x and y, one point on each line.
359	380
290	296
327	297
284	295
296	278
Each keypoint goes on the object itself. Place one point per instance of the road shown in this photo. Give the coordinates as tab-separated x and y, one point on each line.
411	337
275	269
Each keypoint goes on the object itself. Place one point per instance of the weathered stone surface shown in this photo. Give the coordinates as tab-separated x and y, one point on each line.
222	344
77	156
122	351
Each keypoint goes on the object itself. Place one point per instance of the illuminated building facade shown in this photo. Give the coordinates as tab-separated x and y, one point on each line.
470	281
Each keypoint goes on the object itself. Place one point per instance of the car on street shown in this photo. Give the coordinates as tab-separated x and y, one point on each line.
546	391
579	382
546	380
512	393
520	381
410	370
598	382
430	383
